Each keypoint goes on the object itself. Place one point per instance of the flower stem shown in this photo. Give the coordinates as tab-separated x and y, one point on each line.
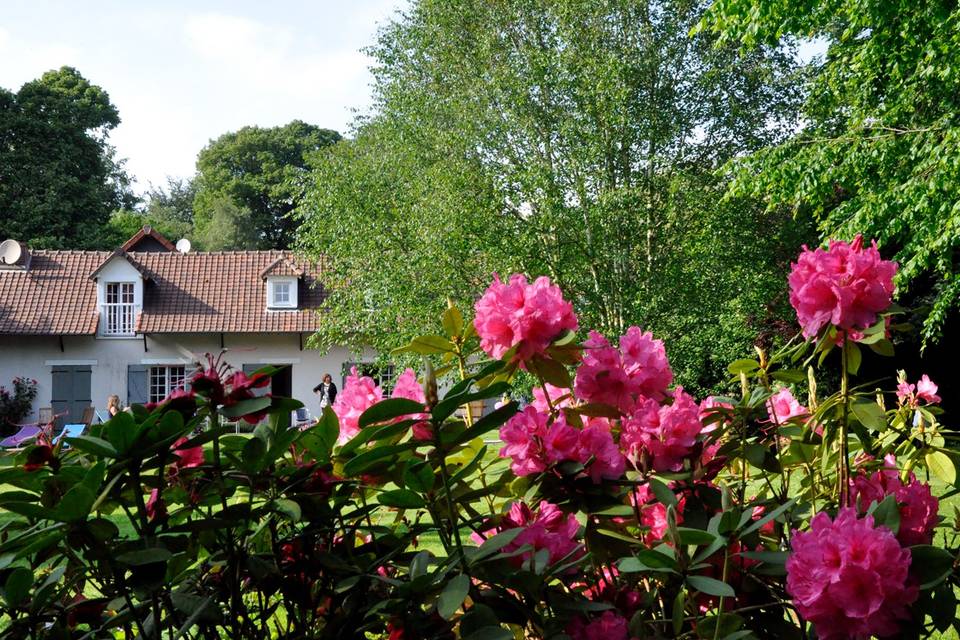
843	467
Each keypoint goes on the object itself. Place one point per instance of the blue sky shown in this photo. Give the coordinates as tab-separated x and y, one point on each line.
183	72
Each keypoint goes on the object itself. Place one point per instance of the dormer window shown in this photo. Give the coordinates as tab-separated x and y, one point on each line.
282	293
119	310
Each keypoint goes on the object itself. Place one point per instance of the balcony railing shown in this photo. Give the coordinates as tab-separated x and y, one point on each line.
119	318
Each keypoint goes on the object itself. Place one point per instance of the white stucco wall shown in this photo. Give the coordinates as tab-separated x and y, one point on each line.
108	359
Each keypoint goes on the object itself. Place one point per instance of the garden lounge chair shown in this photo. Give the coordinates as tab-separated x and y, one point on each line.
88	415
71	431
26	434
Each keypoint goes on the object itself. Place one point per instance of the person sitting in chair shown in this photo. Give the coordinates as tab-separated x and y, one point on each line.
113	405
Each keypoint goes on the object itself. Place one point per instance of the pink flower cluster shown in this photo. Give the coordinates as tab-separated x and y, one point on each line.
849	578
534	443
618	377
918	506
609	626
653	514
522	315
547	528
407	386
665	434
846	286
362	392
782	407
359	393
911	395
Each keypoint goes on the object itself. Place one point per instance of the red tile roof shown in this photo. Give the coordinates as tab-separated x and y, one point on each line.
219	292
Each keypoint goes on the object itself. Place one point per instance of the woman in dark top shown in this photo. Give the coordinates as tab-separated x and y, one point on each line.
326	390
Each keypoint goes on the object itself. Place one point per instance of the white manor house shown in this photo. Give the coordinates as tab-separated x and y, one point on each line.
134	322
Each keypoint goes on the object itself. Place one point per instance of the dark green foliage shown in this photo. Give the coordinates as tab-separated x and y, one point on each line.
260	170
59	180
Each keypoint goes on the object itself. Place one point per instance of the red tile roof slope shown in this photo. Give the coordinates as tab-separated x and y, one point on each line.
218	292
53	297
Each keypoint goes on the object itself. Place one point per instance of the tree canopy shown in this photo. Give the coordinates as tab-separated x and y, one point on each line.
59	180
592	131
260	170
879	148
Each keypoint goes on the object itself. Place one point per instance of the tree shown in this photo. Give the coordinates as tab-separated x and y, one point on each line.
175	202
880	146
589	124
59	179
260	170
228	227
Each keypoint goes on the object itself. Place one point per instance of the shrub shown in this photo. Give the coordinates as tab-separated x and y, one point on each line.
617	507
16	403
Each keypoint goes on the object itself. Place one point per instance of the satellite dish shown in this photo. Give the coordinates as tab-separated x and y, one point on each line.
10	252
183	245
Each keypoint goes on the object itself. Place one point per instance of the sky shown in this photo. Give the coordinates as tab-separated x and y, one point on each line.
182	73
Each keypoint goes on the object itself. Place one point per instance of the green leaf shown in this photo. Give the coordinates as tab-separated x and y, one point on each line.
743	365
388	410
869	414
886	513
882	348
930	565
141	557
678	612
246	407
648	560
854	357
767	517
452	320
663	493
357	465
489	422
92	445
401	499
121	431
711	586
419	477
453	595
427	345
289	508
942	466
494	543
695	537
550	371
17	586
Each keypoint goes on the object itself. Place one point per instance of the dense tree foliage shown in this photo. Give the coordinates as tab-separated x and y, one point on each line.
260	170
591	132
880	147
59	181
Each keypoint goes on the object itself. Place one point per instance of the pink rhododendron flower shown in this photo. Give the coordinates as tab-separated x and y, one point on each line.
845	285
562	442
911	395
528	316
667	434
358	394
782	406
918	506
559	398
609	626
713	412
601	376
653	514
596	441
156	508
523	439
645	361
548	528
849	578
406	386
186	458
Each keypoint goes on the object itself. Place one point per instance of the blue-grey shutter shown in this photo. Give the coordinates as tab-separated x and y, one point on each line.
138	384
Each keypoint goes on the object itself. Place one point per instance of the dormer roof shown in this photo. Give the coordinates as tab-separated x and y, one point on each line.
282	266
121	253
148	239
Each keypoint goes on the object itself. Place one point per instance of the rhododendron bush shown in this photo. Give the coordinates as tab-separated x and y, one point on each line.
613	505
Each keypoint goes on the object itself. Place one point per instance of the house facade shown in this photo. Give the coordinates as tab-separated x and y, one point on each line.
135	322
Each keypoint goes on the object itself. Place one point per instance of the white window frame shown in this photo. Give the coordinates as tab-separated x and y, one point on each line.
290	284
164	379
120	315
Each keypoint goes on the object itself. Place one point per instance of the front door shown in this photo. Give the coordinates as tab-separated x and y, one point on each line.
70	393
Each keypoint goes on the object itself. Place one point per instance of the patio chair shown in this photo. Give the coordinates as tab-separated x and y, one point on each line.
88	414
45	415
71	431
26	434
